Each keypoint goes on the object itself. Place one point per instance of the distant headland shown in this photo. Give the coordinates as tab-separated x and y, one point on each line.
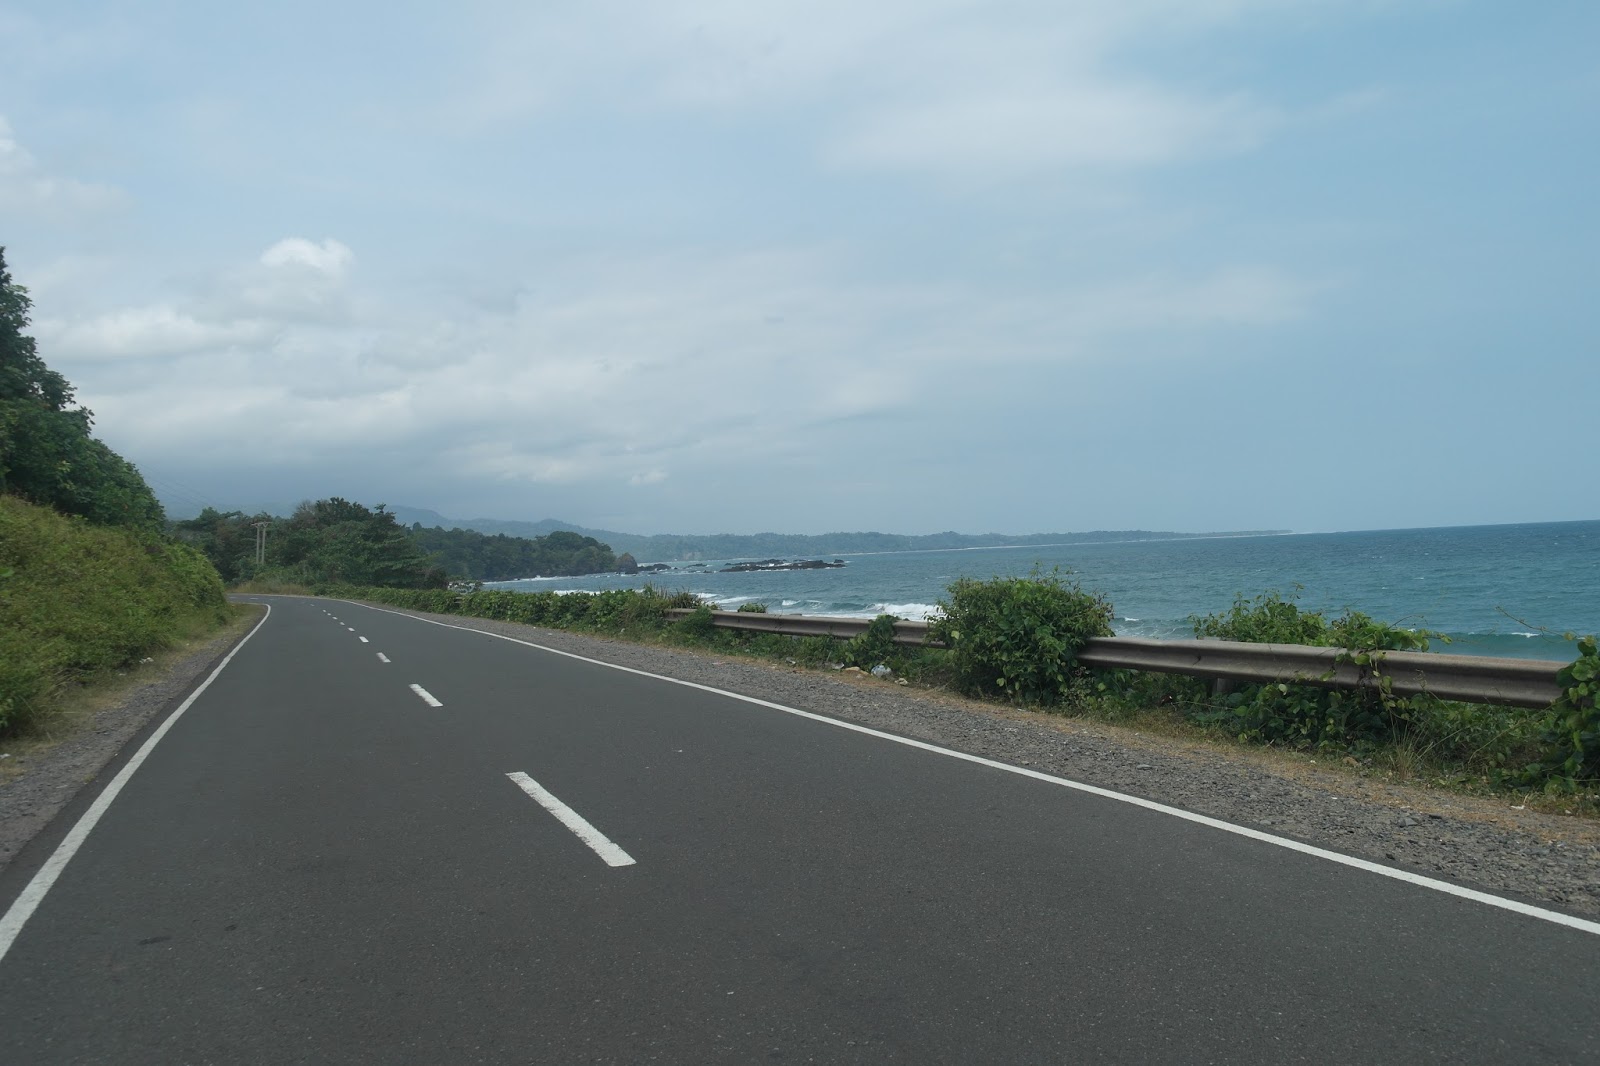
683	548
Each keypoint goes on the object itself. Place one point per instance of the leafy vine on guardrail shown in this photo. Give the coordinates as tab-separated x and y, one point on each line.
1308	714
1573	731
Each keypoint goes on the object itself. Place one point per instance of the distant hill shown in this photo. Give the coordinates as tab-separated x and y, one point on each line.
673	547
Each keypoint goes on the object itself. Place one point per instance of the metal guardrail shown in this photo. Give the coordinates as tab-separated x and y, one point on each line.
1467	678
802	625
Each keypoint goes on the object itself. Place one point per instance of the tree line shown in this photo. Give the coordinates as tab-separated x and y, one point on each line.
336	541
497	557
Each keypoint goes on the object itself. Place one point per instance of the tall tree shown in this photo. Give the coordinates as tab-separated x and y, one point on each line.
46	453
335	540
23	375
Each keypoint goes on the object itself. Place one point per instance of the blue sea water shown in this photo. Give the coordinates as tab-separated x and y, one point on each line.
1495	590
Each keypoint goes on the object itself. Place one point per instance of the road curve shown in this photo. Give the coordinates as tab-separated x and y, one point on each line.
375	839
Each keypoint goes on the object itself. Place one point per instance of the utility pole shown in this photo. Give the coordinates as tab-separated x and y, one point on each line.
261	542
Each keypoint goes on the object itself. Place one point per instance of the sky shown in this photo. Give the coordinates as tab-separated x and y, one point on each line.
707	266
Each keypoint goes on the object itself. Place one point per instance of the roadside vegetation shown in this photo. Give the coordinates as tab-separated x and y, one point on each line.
468	556
323	542
79	601
337	541
1016	640
89	581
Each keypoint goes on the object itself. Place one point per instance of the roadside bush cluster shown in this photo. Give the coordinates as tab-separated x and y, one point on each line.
1572	730
874	647
615	611
77	598
1308	714
1476	740
1019	637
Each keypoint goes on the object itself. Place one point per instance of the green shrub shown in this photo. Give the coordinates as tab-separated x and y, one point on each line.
1311	715
753	607
874	646
814	651
1478	739
613	611
1267	619
76	598
1019	637
1572	729
701	625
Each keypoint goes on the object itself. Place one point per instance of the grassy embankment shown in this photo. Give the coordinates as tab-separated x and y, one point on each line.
79	602
1013	641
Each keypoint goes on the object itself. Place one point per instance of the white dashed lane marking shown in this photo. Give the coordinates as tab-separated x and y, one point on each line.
598	841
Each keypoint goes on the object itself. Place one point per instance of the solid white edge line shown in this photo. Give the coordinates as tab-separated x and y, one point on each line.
382	658
426	696
598	841
33	894
1421	881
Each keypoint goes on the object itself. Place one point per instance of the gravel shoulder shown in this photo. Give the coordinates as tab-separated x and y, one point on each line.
1482	842
40	775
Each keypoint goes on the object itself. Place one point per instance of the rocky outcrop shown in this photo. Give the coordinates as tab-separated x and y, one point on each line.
781	564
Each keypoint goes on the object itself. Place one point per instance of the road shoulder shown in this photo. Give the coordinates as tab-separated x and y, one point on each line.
44	773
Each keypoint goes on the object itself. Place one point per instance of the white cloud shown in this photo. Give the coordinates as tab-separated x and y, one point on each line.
329	258
142	332
26	186
618	369
279	303
294	280
935	85
507	461
1100	124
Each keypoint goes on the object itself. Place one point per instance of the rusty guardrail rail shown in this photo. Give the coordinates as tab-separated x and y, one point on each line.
1467	678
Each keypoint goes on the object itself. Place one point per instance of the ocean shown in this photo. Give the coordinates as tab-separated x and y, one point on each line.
1508	590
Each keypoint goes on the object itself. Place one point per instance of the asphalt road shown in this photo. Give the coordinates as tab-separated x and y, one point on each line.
316	864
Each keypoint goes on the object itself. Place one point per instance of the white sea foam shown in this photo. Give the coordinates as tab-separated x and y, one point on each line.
916	612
